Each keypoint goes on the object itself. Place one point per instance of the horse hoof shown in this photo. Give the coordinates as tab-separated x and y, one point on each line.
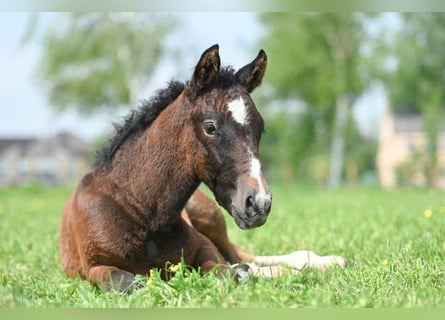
122	281
347	262
241	271
340	261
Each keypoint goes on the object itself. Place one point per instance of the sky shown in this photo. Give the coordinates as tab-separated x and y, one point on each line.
25	110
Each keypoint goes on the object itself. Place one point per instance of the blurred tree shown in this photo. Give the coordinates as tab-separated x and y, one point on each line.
315	58
416	78
100	61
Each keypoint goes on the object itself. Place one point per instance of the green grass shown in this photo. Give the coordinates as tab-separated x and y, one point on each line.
398	254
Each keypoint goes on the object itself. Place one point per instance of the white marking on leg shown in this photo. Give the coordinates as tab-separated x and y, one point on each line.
239	110
301	259
254	270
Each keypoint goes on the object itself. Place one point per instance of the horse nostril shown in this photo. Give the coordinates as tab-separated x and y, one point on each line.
250	203
267	206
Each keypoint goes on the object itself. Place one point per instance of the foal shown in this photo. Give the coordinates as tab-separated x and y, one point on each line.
139	207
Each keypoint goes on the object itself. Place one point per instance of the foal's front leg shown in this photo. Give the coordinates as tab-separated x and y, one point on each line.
112	278
197	250
206	255
202	213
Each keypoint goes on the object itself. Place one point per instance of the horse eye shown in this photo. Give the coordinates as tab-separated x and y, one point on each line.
209	128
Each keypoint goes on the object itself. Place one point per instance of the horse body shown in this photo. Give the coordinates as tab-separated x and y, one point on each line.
139	207
125	216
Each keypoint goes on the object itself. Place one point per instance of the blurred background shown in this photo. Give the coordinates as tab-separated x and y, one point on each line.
348	98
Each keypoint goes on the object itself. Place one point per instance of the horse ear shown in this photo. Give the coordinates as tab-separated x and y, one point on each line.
206	68
251	75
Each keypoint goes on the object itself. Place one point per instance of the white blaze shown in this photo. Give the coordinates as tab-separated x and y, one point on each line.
255	172
239	111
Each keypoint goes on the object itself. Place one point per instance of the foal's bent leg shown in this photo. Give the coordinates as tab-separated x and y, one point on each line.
112	278
206	255
201	251
207	218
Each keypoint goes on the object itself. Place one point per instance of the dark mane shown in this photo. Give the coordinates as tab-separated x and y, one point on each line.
139	120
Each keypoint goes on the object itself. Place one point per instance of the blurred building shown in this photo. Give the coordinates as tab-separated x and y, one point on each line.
58	160
402	151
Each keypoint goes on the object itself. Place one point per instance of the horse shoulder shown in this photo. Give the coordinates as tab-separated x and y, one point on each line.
95	228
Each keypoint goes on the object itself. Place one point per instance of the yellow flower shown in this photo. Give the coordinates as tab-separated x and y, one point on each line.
384	262
174	268
428	213
442	209
150	277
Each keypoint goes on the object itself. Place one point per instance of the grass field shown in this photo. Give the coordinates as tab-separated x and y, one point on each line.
396	240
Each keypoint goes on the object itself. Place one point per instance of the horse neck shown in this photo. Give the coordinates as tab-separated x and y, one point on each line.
156	169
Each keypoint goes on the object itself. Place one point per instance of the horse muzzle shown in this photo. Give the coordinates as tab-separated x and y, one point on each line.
251	206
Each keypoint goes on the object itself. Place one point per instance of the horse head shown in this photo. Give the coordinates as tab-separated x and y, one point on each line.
227	131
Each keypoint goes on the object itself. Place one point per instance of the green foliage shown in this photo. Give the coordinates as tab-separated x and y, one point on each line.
281	148
416	82
396	249
315	59
99	61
